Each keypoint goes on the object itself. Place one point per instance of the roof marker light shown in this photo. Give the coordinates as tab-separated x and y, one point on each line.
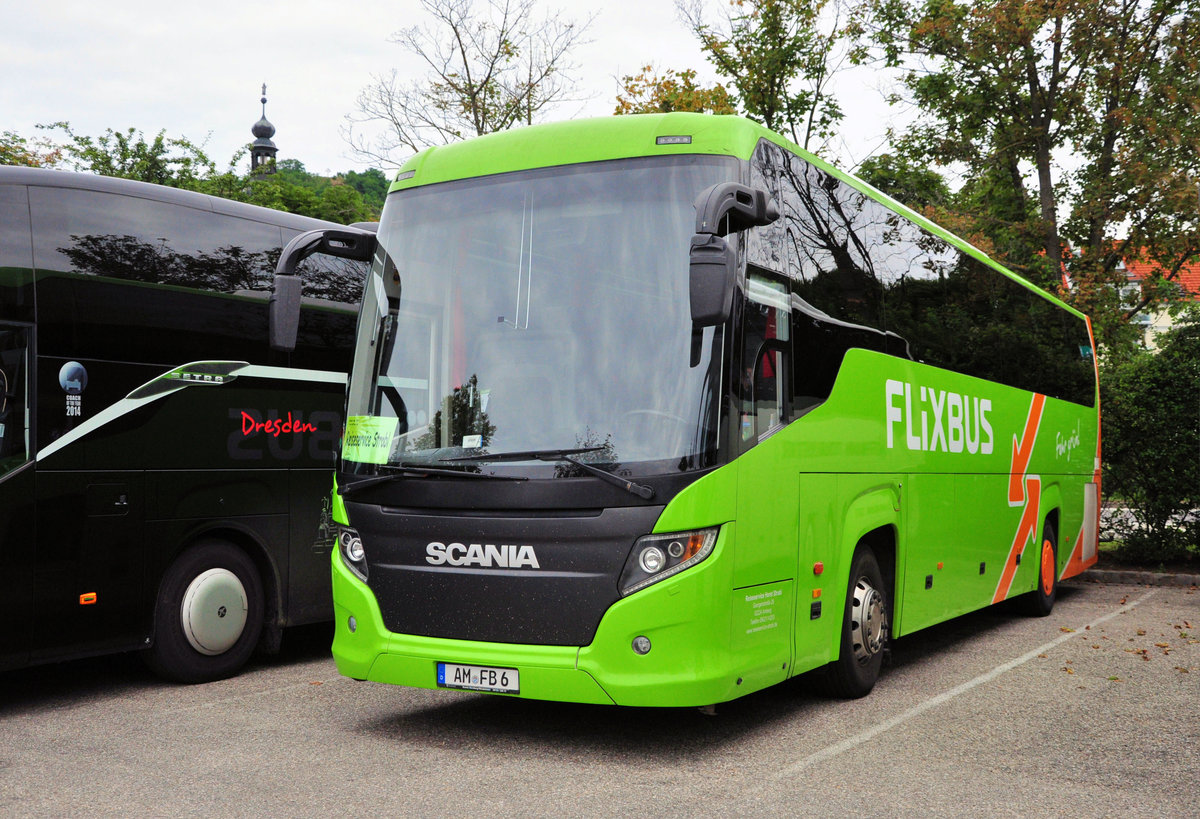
673	140
400	177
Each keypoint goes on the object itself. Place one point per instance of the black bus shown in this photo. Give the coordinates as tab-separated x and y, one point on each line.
164	475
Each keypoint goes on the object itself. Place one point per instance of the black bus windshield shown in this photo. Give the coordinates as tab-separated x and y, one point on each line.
541	310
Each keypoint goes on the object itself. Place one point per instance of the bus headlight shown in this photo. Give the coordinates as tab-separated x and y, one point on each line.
657	557
350	546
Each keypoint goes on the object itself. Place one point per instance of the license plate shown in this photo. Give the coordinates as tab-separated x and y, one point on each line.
478	678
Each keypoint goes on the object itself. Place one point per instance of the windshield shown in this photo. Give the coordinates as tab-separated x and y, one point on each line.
539	312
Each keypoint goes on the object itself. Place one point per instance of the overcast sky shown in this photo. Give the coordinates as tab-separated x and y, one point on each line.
196	69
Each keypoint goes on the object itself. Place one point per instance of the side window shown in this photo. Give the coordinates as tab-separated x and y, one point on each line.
764	245
865	276
837	302
960	314
14	390
765	392
123	237
834	235
16	254
118	274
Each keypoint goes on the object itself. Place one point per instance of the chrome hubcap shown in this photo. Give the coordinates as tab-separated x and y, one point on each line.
868	620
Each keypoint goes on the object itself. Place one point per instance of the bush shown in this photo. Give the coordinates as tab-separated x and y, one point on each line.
1150	405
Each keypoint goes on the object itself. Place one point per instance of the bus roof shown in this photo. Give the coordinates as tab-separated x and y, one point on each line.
45	178
583	140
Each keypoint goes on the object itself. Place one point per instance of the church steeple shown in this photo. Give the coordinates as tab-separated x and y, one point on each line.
262	150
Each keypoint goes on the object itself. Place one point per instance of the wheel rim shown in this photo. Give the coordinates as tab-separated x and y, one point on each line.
214	611
868	620
1048	568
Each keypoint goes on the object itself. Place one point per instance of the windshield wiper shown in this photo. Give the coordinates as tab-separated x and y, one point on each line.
408	470
641	490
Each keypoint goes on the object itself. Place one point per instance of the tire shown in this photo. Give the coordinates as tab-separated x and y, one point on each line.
865	623
1040	601
209	614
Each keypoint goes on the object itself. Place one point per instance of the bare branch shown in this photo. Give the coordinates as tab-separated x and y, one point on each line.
490	67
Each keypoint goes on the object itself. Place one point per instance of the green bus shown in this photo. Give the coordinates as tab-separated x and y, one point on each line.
662	410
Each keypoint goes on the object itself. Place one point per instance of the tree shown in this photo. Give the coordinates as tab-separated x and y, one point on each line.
179	163
173	161
372	184
1008	88
907	182
1151	407
652	93
16	150
488	71
780	55
341	203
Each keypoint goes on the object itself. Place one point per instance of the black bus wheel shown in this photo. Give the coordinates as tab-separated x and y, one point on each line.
1040	601
864	630
209	614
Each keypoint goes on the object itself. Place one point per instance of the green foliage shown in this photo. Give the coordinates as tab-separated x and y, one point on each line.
652	93
372	184
174	162
908	182
779	55
1151	406
16	150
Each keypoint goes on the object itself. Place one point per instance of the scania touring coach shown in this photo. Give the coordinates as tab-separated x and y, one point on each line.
662	410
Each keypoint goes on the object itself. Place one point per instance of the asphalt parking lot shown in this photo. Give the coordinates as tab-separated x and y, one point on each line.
1093	711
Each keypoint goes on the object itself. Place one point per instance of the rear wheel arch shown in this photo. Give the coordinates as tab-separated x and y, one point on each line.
1047	553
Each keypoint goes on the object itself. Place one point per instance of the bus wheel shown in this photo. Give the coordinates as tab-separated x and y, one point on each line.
209	614
864	630
1040	601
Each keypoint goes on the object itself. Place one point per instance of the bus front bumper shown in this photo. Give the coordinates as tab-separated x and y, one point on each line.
690	661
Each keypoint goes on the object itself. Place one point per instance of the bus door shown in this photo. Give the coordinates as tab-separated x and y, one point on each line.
17	494
89	585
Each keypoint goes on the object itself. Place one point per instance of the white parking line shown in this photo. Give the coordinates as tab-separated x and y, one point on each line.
874	731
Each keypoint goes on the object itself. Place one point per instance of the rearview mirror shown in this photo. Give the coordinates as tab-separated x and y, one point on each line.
745	208
283	312
713	269
721	209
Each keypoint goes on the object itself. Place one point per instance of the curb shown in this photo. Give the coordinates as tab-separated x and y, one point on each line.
1139	578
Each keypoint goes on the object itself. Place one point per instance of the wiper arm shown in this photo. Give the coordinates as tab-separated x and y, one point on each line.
641	490
407	470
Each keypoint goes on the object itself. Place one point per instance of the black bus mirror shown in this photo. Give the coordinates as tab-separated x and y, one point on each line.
721	209
712	268
728	207
283	315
